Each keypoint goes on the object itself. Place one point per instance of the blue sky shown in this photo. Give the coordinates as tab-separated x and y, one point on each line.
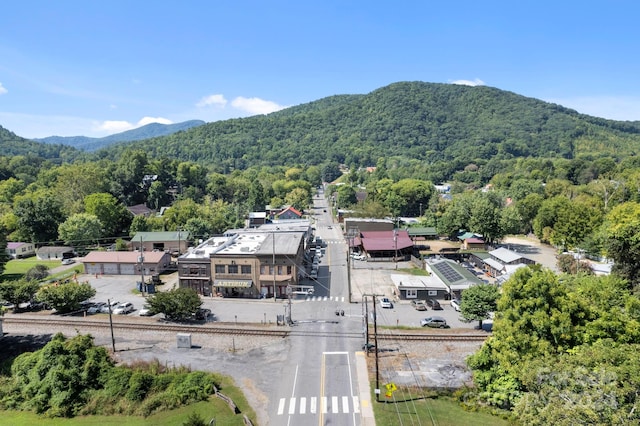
95	68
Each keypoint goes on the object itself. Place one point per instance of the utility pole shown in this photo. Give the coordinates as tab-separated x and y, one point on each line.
273	262
375	343
113	339
141	259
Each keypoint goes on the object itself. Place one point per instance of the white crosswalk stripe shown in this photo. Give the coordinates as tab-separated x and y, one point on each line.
309	405
325	299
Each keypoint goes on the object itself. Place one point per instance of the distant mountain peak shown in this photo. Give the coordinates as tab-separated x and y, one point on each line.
148	131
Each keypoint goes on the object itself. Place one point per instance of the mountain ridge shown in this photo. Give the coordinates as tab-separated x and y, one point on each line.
147	131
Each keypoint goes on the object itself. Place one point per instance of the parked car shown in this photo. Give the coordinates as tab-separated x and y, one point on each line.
313	274
386	303
419	305
434	304
96	308
146	311
124	308
455	304
202	314
105	308
68	261
434	322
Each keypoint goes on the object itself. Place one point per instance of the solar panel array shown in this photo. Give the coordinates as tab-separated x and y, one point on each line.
448	272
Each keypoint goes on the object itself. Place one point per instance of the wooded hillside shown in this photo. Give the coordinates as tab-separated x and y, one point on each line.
424	121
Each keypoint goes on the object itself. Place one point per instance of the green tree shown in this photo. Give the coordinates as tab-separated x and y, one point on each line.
158	196
4	255
38	216
37	273
486	216
66	298
478	302
80	229
622	240
18	291
178	304
113	215
298	198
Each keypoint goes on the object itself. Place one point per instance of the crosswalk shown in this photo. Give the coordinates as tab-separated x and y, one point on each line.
325	299
316	405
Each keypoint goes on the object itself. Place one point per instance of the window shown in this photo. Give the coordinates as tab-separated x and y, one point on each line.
433	292
233	269
264	269
412	294
245	269
220	269
280	270
289	270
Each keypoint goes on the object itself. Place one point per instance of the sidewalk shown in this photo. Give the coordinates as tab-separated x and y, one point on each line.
366	409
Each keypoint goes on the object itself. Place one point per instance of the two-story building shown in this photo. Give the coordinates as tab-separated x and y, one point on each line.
249	263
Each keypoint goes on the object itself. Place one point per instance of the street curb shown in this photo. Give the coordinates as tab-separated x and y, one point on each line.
362	373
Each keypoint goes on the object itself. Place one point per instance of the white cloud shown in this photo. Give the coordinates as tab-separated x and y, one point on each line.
475	82
242	106
212	100
3	90
115	126
147	120
255	105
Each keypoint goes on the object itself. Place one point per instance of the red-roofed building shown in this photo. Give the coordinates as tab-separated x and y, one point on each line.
387	244
289	213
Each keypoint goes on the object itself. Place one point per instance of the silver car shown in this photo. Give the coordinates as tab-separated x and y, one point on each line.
434	322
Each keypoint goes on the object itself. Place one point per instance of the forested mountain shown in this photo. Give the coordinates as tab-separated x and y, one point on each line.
429	122
150	130
12	145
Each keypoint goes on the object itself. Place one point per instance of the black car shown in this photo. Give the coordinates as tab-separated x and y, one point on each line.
434	304
202	314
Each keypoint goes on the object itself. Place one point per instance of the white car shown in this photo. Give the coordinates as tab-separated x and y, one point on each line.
386	303
105	309
67	261
124	308
455	304
146	311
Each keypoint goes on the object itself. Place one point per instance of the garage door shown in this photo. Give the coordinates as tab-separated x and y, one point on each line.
111	269
93	268
128	269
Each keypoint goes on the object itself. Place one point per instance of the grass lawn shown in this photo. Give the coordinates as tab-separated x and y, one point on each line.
16	268
441	411
214	408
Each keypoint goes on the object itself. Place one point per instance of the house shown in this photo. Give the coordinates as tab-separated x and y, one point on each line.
256	219
147	263
473	243
19	250
54	252
170	241
498	260
409	287
289	213
140	210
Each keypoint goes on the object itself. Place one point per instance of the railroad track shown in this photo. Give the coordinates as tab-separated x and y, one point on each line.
227	329
84	324
433	337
